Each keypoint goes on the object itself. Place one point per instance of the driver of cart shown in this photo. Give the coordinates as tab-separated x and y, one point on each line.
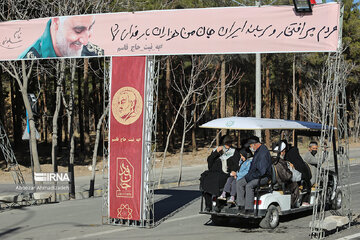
220	161
237	171
292	155
311	160
260	171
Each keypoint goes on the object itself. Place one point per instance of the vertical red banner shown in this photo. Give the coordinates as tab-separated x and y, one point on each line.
126	137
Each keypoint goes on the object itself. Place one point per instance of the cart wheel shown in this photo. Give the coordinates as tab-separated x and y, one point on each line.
336	203
271	219
219	220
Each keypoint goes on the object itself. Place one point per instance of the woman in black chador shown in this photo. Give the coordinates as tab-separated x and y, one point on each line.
221	159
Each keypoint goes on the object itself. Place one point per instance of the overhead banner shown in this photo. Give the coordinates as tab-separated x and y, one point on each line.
126	137
268	29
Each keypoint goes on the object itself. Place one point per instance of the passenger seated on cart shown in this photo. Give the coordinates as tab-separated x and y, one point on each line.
236	172
260	172
292	155
213	180
284	175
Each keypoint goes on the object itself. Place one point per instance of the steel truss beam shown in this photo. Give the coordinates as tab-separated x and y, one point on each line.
333	115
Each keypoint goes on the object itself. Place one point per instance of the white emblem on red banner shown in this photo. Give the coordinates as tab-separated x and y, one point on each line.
125	178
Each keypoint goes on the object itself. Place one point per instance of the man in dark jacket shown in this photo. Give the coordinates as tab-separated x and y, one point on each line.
260	171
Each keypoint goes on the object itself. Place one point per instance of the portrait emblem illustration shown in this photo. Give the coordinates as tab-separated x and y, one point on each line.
127	105
124	178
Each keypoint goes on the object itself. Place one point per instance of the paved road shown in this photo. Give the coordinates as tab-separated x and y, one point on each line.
354	155
81	219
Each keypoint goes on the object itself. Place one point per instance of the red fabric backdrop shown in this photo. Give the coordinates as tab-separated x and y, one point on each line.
126	137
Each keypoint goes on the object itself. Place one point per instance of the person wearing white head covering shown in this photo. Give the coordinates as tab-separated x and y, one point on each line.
281	149
292	155
285	173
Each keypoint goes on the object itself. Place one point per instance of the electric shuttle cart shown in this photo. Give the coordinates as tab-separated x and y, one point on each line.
271	201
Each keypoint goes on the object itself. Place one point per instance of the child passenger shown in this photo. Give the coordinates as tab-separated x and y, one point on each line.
230	186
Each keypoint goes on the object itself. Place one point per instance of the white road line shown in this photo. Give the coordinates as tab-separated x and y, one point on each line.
350	237
125	229
353	184
97	234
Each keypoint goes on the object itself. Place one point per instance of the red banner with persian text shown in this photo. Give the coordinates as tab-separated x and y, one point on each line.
126	137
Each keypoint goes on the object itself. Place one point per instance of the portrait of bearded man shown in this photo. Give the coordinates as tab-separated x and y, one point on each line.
127	105
65	37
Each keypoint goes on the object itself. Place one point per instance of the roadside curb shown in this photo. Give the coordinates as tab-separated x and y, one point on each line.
60	197
175	184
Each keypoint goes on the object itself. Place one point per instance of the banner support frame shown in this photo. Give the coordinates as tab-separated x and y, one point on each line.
149	146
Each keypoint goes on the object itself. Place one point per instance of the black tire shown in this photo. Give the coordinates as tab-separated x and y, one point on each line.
271	219
336	203
219	220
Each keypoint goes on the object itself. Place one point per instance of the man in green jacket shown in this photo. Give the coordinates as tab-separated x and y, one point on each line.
65	37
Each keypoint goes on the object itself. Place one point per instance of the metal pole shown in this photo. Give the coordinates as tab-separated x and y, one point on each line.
30	149
294	93
258	86
258	91
341	20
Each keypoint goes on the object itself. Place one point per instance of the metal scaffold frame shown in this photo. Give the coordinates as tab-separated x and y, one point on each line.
323	159
333	116
10	158
343	153
149	146
152	76
107	72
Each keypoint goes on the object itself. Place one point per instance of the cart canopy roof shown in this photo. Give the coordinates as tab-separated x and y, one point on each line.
251	123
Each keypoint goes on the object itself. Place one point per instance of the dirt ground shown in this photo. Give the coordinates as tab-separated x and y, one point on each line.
189	158
6	177
172	160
